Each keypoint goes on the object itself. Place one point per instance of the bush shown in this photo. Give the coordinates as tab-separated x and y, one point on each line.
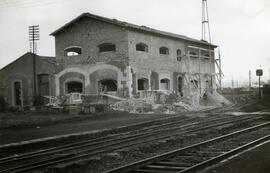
2	104
13	109
39	100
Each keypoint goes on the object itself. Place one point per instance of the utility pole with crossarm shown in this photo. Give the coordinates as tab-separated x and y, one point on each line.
33	37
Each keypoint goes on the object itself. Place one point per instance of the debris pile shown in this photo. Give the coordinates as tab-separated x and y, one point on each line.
132	105
165	104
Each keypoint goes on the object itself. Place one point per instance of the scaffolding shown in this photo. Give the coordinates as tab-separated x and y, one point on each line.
196	55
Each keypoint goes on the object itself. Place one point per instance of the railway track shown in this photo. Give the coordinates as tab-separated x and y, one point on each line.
200	155
84	149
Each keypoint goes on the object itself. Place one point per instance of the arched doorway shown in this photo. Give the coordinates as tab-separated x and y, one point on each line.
107	85
74	87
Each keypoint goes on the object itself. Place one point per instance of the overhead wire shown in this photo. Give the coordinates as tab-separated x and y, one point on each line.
28	4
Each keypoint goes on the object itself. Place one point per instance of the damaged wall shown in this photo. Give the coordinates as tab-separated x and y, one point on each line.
168	66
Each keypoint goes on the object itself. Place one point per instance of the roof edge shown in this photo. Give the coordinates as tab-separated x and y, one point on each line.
25	54
132	26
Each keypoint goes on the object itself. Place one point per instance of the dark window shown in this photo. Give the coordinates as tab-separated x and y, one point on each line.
43	84
142	47
73	51
143	84
107	85
74	87
164	51
106	47
180	86
179	54
17	93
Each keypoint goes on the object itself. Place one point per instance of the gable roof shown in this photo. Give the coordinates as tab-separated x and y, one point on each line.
131	26
49	59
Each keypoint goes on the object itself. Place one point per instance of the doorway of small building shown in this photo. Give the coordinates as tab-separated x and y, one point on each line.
143	84
17	93
180	85
74	87
107	86
165	84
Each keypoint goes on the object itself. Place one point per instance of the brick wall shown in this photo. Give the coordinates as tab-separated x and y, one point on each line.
145	63
22	70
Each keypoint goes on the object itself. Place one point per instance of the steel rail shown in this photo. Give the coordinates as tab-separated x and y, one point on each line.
170	154
89	143
71	157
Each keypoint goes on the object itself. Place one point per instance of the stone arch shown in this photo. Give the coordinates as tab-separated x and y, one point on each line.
90	76
70	77
26	86
72	69
102	73
16	74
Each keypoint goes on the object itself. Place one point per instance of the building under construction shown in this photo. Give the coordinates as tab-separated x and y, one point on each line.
97	55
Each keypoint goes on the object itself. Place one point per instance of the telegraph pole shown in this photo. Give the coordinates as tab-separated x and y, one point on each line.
33	37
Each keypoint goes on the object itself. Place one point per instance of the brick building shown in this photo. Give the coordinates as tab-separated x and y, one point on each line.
16	79
95	54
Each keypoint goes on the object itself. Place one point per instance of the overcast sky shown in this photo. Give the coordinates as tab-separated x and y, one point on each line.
240	27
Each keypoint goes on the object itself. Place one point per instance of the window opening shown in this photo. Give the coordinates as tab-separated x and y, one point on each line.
43	84
143	84
106	47
164	51
73	51
74	86
107	85
142	47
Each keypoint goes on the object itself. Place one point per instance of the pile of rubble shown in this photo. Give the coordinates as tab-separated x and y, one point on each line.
164	103
132	105
170	104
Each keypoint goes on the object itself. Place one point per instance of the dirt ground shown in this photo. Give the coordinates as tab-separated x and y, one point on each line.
254	161
70	125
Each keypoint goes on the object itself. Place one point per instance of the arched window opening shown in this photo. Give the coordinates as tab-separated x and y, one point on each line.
73	51
165	84
141	47
179	54
143	84
164	51
74	87
106	47
195	83
107	85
